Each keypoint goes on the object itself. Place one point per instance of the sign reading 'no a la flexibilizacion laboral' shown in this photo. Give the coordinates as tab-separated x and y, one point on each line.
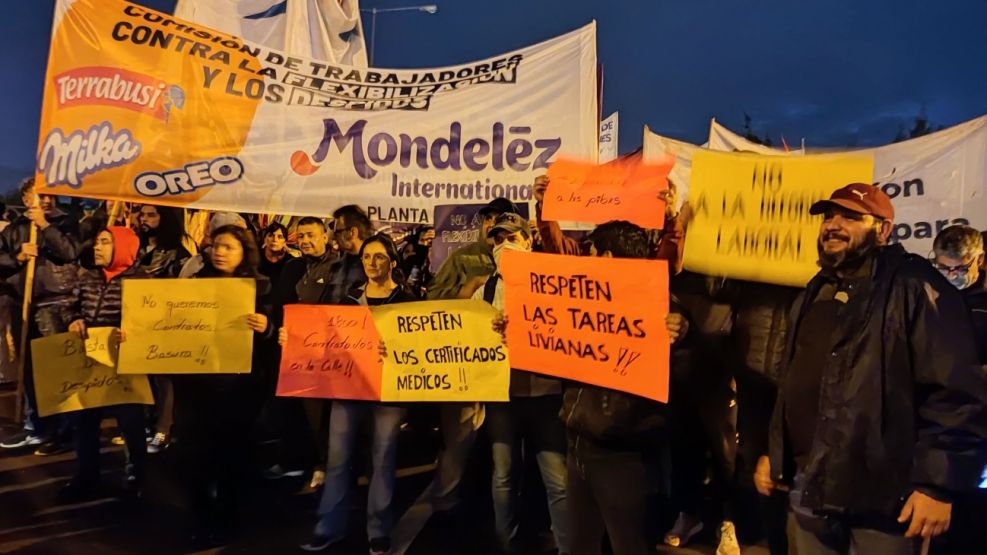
144	107
751	213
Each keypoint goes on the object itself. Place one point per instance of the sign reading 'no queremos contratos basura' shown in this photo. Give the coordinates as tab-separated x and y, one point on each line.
187	326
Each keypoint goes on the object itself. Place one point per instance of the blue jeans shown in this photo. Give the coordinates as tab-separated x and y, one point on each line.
458	435
343	427
534	421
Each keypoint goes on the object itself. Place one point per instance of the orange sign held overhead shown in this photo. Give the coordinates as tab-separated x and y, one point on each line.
332	353
621	190
593	320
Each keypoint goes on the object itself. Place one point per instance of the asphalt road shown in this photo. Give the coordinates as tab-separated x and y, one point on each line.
273	516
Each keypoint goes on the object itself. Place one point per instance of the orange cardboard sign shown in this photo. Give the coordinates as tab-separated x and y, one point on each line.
593	320
332	353
620	190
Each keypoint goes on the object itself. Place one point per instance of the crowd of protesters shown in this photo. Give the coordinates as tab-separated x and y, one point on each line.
855	408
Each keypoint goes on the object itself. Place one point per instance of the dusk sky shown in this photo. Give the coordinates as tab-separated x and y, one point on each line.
839	72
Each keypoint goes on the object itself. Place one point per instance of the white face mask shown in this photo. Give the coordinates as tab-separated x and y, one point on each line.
961	281
498	250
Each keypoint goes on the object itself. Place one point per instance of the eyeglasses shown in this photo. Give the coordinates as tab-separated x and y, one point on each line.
960	269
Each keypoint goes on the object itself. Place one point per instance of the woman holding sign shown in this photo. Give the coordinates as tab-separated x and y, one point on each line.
385	286
216	412
98	304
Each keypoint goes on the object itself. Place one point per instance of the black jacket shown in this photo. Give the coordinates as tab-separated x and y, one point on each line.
100	302
976	301
327	279
162	263
760	324
903	402
358	296
55	269
619	420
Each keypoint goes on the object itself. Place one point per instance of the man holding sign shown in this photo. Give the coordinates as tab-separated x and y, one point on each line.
591	324
530	419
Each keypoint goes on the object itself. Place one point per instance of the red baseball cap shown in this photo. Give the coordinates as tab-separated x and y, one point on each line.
861	198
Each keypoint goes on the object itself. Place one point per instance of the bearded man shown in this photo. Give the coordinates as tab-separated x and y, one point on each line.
882	413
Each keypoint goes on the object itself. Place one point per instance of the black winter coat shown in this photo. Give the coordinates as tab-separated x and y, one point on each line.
55	269
100	302
903	401
976	301
621	420
324	280
760	325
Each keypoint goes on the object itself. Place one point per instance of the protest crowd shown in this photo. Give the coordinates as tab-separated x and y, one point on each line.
853	431
254	265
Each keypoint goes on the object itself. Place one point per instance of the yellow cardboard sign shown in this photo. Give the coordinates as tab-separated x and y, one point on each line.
750	213
71	374
442	351
187	326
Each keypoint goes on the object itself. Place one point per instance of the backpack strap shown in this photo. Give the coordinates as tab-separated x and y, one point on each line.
490	288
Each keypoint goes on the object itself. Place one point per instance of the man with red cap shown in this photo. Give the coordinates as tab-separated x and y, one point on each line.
99	304
882	410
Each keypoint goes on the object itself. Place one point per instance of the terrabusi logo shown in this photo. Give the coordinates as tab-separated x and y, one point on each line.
506	147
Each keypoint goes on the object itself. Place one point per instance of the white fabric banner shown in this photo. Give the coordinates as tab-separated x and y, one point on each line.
609	132
329	30
935	181
657	148
722	139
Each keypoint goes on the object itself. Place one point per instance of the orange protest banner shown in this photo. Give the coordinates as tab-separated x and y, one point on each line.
593	320
620	190
332	353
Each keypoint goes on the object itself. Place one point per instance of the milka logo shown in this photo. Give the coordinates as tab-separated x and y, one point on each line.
476	154
66	160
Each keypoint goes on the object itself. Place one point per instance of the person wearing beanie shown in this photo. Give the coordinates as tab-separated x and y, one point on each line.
99	304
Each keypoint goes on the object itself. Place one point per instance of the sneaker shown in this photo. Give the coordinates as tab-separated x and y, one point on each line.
276	472
50	448
728	540
21	439
380	546
685	528
319	543
158	443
